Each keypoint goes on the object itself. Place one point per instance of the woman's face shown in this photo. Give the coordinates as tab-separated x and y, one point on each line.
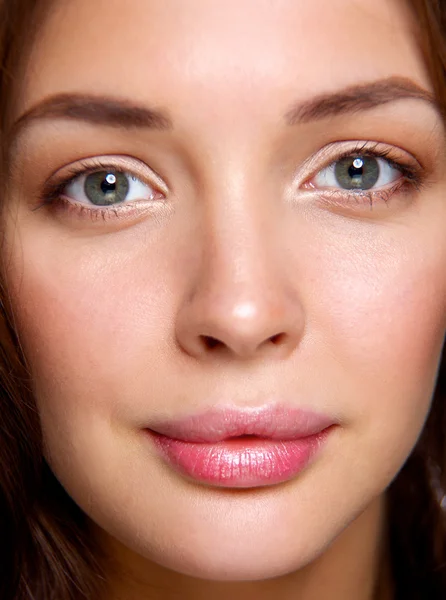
271	237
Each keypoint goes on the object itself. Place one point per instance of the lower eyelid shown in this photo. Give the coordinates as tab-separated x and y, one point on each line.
367	199
131	210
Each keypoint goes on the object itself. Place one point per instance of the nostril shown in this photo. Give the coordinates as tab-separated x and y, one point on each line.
210	342
278	339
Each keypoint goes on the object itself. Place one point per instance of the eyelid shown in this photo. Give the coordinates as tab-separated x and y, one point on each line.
333	152
122	163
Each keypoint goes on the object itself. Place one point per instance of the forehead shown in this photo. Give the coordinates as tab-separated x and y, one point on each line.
198	54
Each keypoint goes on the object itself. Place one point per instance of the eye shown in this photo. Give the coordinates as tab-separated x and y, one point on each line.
107	188
357	172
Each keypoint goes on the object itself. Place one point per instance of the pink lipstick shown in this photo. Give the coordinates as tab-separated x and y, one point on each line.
242	448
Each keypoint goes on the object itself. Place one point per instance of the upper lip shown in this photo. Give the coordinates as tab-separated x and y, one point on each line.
276	422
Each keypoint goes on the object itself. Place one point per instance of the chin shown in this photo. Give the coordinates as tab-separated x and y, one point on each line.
219	567
210	556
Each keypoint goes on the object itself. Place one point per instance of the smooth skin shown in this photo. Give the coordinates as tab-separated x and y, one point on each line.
238	280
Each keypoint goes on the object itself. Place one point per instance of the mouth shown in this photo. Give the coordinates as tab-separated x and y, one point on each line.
229	447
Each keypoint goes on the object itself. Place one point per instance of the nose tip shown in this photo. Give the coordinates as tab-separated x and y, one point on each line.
268	325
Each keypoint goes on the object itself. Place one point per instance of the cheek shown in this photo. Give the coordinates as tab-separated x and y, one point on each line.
389	315
92	321
380	325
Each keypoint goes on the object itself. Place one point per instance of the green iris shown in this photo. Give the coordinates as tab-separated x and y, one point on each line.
357	172
104	188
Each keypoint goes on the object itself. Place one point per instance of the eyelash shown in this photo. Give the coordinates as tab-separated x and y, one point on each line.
52	193
411	171
412	179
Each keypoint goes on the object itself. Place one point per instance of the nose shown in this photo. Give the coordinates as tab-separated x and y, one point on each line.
243	300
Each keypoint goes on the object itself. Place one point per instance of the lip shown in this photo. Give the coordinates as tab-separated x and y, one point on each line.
241	448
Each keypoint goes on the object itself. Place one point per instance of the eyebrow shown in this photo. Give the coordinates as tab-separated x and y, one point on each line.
97	110
358	98
115	112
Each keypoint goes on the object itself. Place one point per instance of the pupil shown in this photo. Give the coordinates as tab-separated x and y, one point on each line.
109	183
357	169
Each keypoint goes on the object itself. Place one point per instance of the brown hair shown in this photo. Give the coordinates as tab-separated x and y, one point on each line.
46	551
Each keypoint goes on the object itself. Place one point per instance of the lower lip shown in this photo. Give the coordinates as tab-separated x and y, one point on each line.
241	462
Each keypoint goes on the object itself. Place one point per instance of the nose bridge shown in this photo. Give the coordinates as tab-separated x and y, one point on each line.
239	301
236	240
242	214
